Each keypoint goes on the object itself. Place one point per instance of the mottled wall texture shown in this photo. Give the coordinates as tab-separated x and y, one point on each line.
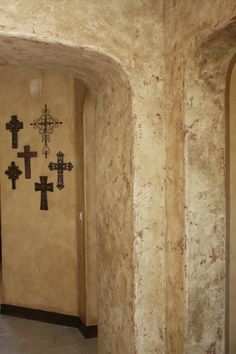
232	210
117	49
200	46
157	74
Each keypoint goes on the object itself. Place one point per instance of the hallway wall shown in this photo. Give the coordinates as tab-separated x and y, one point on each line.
232	200
40	248
90	208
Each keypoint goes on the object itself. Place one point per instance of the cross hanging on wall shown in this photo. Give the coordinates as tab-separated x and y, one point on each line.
46	124
60	166
13	172
14	125
27	155
44	187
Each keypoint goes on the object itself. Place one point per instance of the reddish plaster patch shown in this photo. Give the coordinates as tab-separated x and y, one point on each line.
204	61
193	136
211	349
213	257
140	233
156	77
182	245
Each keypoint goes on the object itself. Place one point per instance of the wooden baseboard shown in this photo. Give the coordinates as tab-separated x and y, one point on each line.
50	317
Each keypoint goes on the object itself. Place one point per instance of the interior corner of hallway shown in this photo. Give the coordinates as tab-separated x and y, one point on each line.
140	240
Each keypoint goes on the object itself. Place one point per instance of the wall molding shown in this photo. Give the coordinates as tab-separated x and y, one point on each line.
50	317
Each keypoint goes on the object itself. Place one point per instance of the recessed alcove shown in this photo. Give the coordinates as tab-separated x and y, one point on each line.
110	93
49	256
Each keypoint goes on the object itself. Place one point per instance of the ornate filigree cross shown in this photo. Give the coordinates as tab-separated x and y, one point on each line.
14	125
60	166
46	124
13	172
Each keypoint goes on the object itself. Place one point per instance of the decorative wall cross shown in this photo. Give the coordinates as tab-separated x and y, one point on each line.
27	154
44	187
46	124
14	126
60	167
13	172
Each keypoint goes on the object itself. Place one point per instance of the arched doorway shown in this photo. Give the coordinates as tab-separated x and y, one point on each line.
231	187
205	190
110	88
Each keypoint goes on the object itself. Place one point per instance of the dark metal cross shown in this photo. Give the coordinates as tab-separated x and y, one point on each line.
13	172
27	154
44	187
14	126
46	124
60	167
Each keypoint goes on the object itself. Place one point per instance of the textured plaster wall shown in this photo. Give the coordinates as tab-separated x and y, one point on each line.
117	49
232	230
199	47
40	248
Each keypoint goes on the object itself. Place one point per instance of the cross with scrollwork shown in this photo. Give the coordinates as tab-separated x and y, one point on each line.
14	125
46	124
60	166
13	172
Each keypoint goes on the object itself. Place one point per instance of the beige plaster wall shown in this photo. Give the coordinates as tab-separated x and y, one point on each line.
40	248
232	199
91	271
199	48
118	49
86	194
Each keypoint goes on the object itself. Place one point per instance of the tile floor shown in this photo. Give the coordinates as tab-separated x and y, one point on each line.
19	336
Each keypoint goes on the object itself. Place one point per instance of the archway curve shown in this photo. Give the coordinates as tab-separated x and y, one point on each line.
110	87
230	341
205	191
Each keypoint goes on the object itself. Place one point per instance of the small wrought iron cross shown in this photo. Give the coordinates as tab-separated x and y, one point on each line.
13	172
14	125
60	167
45	124
44	187
27	154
